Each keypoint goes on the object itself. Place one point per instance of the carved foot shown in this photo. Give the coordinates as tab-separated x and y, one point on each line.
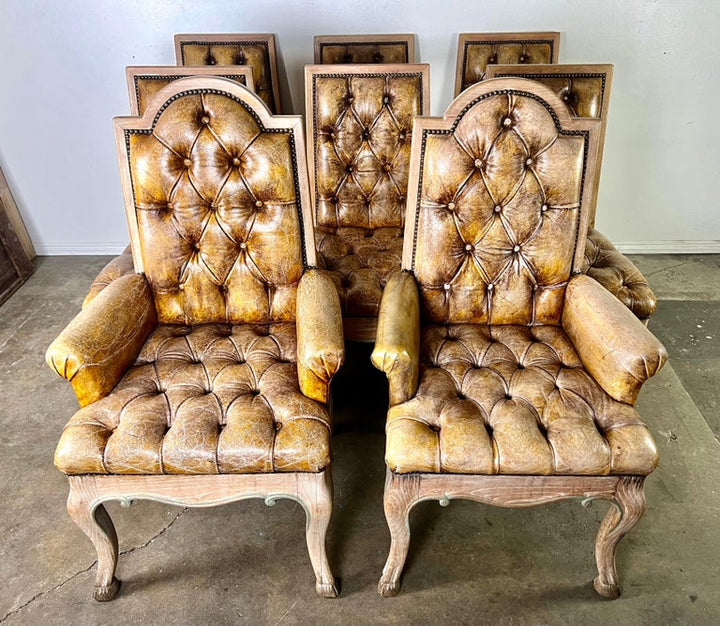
105	594
389	588
326	590
626	511
609	591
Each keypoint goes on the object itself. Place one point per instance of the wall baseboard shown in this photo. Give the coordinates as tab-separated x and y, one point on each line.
81	248
670	246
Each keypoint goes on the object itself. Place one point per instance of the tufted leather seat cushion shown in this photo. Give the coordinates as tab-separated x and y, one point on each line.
614	271
211	399
512	400
362	126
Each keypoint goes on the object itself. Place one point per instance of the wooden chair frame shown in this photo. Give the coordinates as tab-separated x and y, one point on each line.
313	491
137	74
403	491
321	41
265	39
587	70
468	39
355	328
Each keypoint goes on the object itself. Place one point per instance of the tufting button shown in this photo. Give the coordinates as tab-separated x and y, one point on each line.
492	60
236	161
349	168
507	121
522	58
278	426
387	167
528	161
386	100
187	162
367	202
490	286
350	100
401	135
243	245
478	163
468	247
497	208
365	134
516	248
446	286
205	119
377	57
544	208
258	203
334	200
211	60
565	98
170	206
451	206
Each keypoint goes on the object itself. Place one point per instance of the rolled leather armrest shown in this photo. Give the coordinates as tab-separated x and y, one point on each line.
117	267
320	344
397	343
619	275
615	347
101	342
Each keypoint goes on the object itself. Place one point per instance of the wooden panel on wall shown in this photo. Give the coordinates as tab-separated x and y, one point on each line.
16	249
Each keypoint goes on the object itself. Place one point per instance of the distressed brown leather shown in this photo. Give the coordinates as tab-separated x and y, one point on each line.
397	344
498	215
244	51
513	378
511	399
214	398
100	343
321	349
230	377
117	267
619	275
619	352
478	51
361	136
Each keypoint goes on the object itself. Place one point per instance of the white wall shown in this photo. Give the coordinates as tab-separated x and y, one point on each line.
62	80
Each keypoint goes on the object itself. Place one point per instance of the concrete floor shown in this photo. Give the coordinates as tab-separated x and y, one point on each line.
469	563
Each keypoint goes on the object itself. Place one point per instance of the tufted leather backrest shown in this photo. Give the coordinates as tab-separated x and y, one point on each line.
584	88
336	49
359	121
478	50
144	82
217	203
256	51
497	205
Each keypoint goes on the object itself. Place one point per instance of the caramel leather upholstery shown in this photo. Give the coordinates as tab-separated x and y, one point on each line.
341	49
115	268
255	50
359	124
523	367
478	50
614	271
218	357
144	82
585	90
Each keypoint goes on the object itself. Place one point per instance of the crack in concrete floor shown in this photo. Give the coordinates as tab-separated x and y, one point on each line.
45	592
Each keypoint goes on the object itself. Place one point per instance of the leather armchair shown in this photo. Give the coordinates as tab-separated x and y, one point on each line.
341	49
478	51
204	377
513	377
585	90
359	123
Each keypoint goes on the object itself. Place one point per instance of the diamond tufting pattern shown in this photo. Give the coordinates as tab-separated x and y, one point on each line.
361	126
219	203
512	400
498	214
210	399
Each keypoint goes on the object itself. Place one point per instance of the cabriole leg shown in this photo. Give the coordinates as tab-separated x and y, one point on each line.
95	522
625	511
316	492
399	497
